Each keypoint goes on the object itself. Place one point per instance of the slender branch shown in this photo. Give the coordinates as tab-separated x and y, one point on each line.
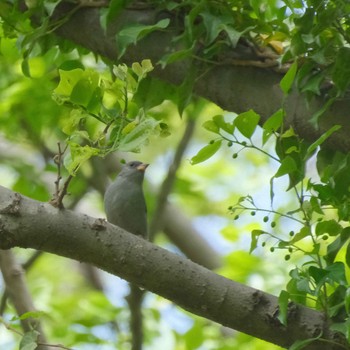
168	183
18	292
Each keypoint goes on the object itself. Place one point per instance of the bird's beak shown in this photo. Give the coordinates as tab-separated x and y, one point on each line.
142	167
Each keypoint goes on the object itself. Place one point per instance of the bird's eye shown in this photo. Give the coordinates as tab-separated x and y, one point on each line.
133	164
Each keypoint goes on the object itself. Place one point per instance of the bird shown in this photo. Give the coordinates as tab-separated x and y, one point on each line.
125	206
124	201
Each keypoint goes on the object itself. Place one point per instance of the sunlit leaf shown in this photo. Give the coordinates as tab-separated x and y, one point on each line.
247	122
210	125
272	124
206	152
322	139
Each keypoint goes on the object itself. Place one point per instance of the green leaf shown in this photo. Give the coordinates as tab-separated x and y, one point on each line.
132	141
272	124
254	240
78	155
175	56
301	344
321	140
134	32
142	69
287	81
68	79
304	232
283	300
288	166
206	152
341	70
330	227
222	124
83	90
316	116
29	340
247	122
347	255
210	125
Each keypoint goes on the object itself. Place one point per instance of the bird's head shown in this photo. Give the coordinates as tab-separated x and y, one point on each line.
134	170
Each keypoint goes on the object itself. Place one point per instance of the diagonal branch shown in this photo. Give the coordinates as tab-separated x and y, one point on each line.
32	224
168	183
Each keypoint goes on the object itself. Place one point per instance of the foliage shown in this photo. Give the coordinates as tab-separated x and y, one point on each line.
53	91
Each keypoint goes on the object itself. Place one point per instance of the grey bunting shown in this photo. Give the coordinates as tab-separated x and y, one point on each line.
124	200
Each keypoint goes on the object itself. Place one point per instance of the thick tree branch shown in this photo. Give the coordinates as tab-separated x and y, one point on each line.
30	224
233	87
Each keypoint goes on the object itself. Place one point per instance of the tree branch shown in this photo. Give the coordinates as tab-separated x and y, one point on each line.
32	224
233	87
17	290
167	185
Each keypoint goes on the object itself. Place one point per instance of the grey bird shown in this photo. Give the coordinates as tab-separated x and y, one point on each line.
124	200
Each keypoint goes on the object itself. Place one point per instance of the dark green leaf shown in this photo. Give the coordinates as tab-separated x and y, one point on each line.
341	70
330	227
287	81
206	152
304	232
135	31
283	299
288	166
175	56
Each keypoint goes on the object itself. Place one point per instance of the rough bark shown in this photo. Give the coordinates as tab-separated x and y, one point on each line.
30	224
234	88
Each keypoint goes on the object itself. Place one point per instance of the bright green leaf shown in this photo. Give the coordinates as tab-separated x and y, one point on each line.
254	239
142	69
210	125
78	156
272	124
321	139
68	79
287	81
206	152
222	124
83	90
247	122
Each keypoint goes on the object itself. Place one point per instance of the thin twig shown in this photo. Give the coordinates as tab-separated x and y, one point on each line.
170	179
